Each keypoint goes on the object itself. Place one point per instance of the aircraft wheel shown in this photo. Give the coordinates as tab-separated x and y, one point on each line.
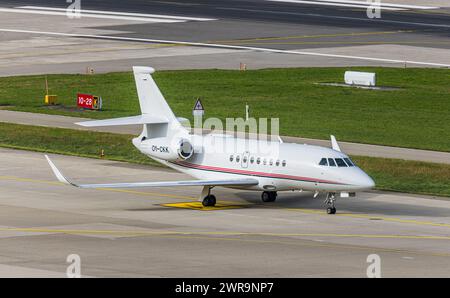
273	196
268	196
331	210
209	201
265	197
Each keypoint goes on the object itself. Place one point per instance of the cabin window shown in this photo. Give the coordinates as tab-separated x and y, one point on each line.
231	157
271	162
244	159
238	158
331	162
252	159
277	163
323	162
340	162
349	162
283	163
264	161
258	160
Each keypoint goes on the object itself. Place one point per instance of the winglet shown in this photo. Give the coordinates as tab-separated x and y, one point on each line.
334	144
57	173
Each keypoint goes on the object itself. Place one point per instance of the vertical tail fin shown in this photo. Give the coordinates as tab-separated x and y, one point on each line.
156	116
151	100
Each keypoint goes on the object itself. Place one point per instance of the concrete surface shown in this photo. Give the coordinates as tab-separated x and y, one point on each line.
350	148
412	35
129	233
133	233
441	3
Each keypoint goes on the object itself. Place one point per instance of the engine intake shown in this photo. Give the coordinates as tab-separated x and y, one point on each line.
186	150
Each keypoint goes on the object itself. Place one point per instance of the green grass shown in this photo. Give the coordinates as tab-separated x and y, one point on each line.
389	174
416	116
71	142
407	176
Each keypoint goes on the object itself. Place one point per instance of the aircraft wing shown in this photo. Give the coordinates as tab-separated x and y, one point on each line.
225	182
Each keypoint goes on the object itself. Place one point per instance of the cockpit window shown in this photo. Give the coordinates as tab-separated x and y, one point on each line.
331	162
323	162
340	162
349	162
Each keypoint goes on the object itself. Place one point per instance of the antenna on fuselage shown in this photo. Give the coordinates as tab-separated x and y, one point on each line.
334	144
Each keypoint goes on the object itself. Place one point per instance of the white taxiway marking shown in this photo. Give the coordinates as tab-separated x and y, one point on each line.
340	17
118	13
85	15
148	18
383	4
333	4
223	46
361	4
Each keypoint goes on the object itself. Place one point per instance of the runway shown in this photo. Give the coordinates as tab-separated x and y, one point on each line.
164	233
38	38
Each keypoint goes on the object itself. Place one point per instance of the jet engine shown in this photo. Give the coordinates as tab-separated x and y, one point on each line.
185	150
171	150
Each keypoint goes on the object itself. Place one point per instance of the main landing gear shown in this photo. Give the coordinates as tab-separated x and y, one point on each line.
208	200
331	198
269	196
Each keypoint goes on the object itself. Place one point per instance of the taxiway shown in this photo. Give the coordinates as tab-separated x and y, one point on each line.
166	233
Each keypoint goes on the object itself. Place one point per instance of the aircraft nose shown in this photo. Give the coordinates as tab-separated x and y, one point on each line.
366	182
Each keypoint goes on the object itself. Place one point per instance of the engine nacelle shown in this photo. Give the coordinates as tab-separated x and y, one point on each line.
162	148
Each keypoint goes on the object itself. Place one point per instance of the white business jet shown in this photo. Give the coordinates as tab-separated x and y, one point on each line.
242	165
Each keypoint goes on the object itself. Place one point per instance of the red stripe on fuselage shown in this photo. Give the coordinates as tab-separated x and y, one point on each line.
251	173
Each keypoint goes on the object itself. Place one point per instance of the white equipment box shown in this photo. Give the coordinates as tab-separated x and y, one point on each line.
360	78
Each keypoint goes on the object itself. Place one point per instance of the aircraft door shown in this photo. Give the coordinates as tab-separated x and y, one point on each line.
245	157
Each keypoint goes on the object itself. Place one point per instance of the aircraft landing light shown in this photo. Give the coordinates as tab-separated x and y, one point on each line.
196	205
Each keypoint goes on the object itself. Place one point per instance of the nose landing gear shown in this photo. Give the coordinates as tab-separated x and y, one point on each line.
331	198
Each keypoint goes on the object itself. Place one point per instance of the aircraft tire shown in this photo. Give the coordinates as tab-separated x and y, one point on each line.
331	210
209	201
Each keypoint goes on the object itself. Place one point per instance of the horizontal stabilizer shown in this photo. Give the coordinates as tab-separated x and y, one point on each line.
182	120
141	119
227	182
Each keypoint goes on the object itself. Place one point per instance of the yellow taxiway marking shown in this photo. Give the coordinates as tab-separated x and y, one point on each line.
29	180
220	233
348	42
86	51
226	235
315	244
308	211
316	36
196	205
142	193
373	217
